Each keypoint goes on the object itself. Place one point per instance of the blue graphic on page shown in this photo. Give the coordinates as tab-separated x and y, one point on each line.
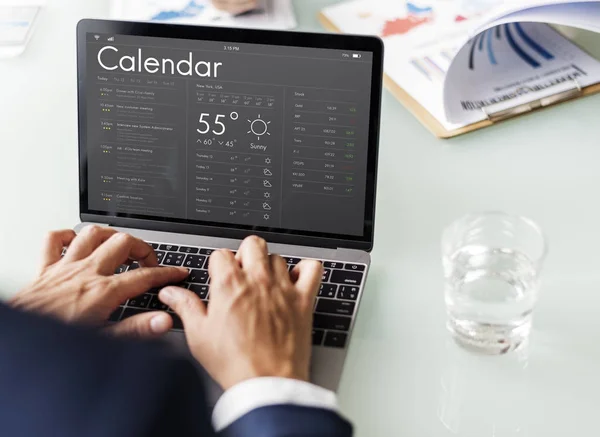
417	10
525	48
192	9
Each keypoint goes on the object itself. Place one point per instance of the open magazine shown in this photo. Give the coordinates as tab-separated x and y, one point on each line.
270	14
463	61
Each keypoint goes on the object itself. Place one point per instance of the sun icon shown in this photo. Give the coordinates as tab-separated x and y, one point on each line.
259	127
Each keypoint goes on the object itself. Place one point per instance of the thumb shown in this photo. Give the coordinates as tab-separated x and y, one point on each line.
146	325
186	304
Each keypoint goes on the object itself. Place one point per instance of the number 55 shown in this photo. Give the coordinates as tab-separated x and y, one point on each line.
206	125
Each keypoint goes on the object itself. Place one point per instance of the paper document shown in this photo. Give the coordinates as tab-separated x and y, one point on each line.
17	21
455	57
513	64
270	14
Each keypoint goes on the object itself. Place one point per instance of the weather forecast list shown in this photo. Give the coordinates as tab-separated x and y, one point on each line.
214	132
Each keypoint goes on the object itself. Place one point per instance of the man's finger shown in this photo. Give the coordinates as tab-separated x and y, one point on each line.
280	271
186	305
254	258
88	240
133	283
147	325
308	274
54	244
120	248
224	271
235	6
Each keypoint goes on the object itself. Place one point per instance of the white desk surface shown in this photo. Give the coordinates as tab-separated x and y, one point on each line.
403	377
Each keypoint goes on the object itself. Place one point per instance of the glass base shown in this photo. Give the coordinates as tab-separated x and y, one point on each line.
489	339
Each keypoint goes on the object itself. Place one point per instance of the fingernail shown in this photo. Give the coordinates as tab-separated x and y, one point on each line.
159	323
168	295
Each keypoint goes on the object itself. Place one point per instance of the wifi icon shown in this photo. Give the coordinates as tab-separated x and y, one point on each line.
97	37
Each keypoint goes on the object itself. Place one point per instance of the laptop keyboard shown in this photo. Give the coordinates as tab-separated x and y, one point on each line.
334	308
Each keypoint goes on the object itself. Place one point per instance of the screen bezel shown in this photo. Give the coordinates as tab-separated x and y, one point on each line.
279	38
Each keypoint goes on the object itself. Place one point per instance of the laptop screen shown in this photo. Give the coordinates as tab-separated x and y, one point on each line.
229	134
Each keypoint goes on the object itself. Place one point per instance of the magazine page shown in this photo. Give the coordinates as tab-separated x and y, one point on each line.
271	14
513	64
421	39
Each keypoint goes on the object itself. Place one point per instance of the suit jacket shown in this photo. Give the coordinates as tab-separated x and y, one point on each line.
64	381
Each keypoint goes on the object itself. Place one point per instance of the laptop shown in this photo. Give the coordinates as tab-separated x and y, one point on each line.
192	138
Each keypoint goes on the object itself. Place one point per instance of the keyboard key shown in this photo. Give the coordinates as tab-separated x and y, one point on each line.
184	284
327	290
169	247
355	267
121	269
177	323
347	292
200	290
335	339
291	261
326	275
129	312
174	259
154	290
326	321
317	337
198	276
116	315
185	249
194	261
157	305
134	265
335	307
333	265
159	256
140	301
154	245
346	277
206	251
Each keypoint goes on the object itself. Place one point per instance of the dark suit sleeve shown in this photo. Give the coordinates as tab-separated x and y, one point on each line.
63	381
289	421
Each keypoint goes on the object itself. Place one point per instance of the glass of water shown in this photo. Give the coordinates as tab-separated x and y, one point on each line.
492	263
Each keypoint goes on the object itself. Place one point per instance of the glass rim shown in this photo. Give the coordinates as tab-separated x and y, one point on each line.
529	222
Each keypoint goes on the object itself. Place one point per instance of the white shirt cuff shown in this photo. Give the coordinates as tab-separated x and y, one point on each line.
255	393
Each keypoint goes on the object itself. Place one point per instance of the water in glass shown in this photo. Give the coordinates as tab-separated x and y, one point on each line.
490	294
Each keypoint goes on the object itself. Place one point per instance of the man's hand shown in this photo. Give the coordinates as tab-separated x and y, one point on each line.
82	288
259	321
235	7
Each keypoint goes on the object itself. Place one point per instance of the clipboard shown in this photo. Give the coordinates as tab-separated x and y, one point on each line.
492	116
